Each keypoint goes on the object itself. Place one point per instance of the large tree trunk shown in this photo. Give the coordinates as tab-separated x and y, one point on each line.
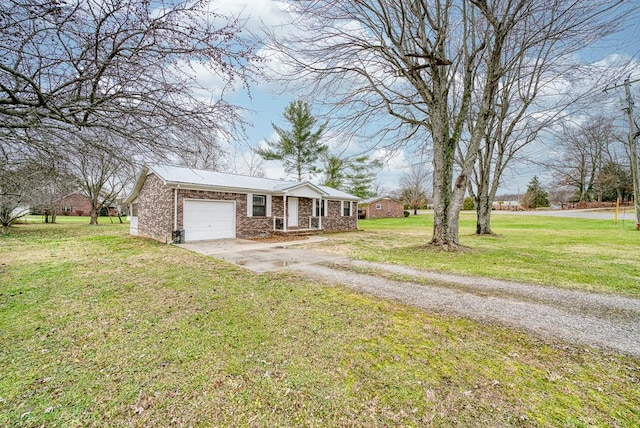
95	211
483	211
445	220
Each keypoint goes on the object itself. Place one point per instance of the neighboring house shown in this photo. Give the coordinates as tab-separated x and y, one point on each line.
380	207
507	206
77	204
170	203
73	204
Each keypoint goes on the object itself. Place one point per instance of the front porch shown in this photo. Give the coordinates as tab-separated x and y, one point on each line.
305	226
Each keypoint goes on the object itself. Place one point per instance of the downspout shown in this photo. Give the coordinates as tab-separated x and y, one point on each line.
175	208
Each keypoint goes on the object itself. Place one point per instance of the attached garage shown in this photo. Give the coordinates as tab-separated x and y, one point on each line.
205	219
176	204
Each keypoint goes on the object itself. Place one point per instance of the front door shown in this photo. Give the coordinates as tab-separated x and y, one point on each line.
292	212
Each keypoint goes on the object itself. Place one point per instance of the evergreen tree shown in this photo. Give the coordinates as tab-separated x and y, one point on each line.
355	176
536	196
298	148
361	176
334	172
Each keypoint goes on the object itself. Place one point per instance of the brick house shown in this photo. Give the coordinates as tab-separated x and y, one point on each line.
170	203
77	204
380	207
73	204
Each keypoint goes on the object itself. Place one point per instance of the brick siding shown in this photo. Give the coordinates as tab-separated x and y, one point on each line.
336	222
388	208
74	204
156	208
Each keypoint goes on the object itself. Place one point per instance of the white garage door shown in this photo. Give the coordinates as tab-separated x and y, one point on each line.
209	220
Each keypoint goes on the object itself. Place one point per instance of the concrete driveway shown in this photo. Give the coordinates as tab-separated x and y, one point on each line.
262	257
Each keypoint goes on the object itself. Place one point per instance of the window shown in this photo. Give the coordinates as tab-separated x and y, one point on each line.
320	207
259	205
346	208
378	206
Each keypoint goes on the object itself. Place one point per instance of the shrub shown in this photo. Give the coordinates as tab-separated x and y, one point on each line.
467	205
406	213
80	212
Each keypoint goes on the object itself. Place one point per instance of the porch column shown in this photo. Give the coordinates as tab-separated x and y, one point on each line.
320	211
284	212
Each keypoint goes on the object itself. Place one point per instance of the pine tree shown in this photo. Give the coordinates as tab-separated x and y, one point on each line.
298	148
536	196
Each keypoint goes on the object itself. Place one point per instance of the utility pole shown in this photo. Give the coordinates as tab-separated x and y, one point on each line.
633	147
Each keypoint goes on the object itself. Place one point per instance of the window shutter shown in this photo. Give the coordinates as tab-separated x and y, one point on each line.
268	205
313	208
326	207
249	204
342	208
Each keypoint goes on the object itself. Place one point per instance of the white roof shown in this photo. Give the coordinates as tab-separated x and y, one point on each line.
174	176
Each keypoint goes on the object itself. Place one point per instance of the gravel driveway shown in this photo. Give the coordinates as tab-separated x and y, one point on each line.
607	321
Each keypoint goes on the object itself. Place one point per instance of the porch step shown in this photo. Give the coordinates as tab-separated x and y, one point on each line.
297	232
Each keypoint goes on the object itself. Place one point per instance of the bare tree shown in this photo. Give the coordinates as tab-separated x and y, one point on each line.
583	153
414	185
425	65
102	164
17	182
54	182
125	67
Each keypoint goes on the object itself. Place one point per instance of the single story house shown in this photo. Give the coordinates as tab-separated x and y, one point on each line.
73	204
171	203
380	207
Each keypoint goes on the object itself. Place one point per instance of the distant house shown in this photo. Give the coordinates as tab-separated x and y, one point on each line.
73	204
173	203
380	207
77	204
507	206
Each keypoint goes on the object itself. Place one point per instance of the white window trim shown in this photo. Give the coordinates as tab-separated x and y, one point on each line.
325	211
268	205
350	209
250	204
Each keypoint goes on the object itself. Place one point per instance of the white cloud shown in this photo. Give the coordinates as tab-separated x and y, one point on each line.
255	13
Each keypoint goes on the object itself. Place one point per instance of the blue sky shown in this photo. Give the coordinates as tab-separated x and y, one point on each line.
268	102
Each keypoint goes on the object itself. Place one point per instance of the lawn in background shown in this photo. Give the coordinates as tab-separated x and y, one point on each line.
98	328
577	253
66	219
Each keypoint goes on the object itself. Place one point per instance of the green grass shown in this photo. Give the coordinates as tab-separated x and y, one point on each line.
101	329
64	219
585	254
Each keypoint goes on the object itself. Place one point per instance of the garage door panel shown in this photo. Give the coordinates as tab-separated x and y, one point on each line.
205	219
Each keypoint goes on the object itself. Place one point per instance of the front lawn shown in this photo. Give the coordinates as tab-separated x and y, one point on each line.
102	329
586	254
